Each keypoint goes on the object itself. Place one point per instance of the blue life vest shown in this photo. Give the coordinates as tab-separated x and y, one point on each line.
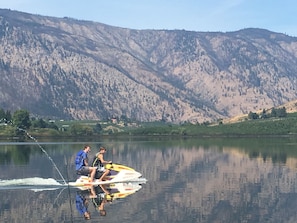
80	206
79	160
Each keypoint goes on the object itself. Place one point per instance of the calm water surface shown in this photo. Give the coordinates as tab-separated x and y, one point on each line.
189	180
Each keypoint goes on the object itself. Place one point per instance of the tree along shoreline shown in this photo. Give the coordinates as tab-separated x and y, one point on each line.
18	125
249	129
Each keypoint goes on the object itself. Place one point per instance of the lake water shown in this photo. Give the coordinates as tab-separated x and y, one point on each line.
188	180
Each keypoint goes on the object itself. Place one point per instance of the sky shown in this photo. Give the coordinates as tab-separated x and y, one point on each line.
192	15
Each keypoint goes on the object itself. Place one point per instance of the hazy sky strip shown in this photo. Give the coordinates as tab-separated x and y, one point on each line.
193	15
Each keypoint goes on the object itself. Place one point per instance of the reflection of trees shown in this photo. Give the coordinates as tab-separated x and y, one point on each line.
276	157
279	158
253	154
5	157
18	154
21	154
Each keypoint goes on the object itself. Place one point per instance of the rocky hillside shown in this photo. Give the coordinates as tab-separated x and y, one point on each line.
67	68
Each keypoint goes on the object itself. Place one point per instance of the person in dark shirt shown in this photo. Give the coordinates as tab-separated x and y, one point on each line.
101	199
99	162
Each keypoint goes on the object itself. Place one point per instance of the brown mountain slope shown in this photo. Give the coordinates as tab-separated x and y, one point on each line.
67	68
291	107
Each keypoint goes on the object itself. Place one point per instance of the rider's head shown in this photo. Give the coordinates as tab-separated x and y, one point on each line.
101	150
87	148
87	215
103	213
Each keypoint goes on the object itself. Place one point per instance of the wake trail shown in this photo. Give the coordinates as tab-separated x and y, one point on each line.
33	183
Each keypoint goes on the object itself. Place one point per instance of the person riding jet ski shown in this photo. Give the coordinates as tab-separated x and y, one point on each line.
99	162
81	163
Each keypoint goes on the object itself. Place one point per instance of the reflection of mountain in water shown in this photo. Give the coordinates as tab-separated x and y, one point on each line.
185	184
213	186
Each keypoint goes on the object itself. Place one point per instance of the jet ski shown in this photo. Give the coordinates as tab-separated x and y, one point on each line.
117	173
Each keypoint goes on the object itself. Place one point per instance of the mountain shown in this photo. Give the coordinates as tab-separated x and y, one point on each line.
291	107
73	69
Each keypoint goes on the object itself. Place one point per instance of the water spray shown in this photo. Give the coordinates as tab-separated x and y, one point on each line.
43	150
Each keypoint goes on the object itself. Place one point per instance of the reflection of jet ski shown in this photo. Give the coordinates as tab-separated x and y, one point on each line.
117	173
122	190
117	190
110	192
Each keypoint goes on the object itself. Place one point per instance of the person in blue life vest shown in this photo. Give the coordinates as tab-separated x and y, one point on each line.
82	203
81	163
99	163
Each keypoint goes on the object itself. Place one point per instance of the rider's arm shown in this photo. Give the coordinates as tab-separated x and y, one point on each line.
100	157
104	190
86	161
92	193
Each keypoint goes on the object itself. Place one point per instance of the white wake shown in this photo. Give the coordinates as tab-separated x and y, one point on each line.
33	183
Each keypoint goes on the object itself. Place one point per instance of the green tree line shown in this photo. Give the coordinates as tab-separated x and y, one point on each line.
275	113
276	122
20	122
